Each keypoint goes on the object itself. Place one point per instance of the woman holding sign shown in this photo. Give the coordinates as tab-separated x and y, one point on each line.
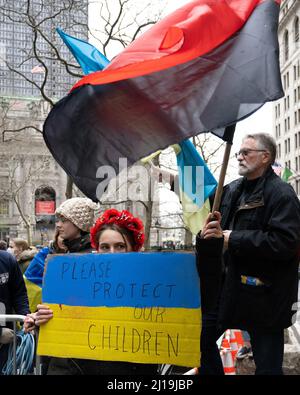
113	232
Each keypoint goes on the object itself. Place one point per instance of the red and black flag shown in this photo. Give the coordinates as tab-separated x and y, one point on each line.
208	65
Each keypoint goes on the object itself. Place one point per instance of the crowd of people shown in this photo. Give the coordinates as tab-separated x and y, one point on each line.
247	258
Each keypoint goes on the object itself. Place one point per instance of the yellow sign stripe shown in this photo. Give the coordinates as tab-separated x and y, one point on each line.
148	335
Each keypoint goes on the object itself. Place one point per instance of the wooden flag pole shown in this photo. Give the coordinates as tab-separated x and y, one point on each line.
229	132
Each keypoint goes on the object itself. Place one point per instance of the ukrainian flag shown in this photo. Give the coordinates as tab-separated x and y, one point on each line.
196	184
134	307
89	58
33	278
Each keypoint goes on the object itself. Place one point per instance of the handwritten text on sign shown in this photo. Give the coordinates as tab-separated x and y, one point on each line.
136	307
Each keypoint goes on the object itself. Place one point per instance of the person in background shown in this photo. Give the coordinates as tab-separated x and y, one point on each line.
3	245
23	253
33	275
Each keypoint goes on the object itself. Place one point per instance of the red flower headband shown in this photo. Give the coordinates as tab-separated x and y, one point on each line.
124	219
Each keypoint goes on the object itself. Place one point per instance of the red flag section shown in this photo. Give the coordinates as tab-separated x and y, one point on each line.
192	31
206	66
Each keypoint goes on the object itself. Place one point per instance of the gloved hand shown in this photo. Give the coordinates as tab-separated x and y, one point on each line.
7	336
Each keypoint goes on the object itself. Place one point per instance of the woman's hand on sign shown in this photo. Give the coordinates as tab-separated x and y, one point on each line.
212	227
43	314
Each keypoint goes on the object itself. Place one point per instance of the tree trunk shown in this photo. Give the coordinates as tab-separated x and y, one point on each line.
188	238
26	221
148	224
69	188
29	232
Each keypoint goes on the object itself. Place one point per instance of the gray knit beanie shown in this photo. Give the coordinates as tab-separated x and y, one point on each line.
80	211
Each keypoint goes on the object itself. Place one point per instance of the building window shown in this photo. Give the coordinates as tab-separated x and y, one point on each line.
296	140
296	162
285	147
297	187
286	45
296	30
4	207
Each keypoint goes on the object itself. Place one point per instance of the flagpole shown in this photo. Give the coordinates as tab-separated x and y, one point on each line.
228	137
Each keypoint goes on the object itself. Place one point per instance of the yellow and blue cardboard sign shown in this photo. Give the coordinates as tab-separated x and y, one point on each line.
135	307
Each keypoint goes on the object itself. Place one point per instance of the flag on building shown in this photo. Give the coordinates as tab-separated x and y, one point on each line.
202	68
287	173
89	58
38	69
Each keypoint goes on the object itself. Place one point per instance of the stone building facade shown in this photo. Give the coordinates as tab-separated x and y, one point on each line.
287	109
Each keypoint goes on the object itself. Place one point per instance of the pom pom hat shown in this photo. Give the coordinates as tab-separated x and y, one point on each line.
124	219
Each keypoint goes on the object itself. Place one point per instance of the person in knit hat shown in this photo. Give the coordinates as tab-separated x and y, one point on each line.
74	218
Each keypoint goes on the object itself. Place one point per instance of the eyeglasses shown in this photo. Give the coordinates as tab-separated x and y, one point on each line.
245	152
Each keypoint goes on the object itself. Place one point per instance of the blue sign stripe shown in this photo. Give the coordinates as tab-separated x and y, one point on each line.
129	280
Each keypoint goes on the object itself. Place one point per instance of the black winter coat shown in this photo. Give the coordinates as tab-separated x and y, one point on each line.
265	244
13	294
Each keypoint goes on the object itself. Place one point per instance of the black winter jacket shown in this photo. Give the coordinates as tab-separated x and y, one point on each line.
265	244
13	294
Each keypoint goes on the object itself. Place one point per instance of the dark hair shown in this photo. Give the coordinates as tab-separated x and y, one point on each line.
123	231
266	141
3	245
54	244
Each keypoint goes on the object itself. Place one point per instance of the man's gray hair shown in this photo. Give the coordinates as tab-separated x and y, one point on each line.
265	141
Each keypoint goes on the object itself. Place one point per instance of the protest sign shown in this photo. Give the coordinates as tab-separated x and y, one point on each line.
136	307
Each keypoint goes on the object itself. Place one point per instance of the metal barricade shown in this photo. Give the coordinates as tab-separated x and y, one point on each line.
14	318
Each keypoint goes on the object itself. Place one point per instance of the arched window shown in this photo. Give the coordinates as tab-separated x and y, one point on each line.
296	30
286	45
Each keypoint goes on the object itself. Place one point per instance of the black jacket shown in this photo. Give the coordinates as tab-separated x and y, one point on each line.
209	265
13	294
264	244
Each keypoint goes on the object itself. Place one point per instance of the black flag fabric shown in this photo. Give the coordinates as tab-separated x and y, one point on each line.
209	65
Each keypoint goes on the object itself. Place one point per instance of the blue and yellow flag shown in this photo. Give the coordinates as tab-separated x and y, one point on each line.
33	278
196	184
89	58
135	307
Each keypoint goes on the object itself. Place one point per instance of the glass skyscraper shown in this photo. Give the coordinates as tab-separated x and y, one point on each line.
25	22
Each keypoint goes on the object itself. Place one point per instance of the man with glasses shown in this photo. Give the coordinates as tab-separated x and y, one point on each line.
260	228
